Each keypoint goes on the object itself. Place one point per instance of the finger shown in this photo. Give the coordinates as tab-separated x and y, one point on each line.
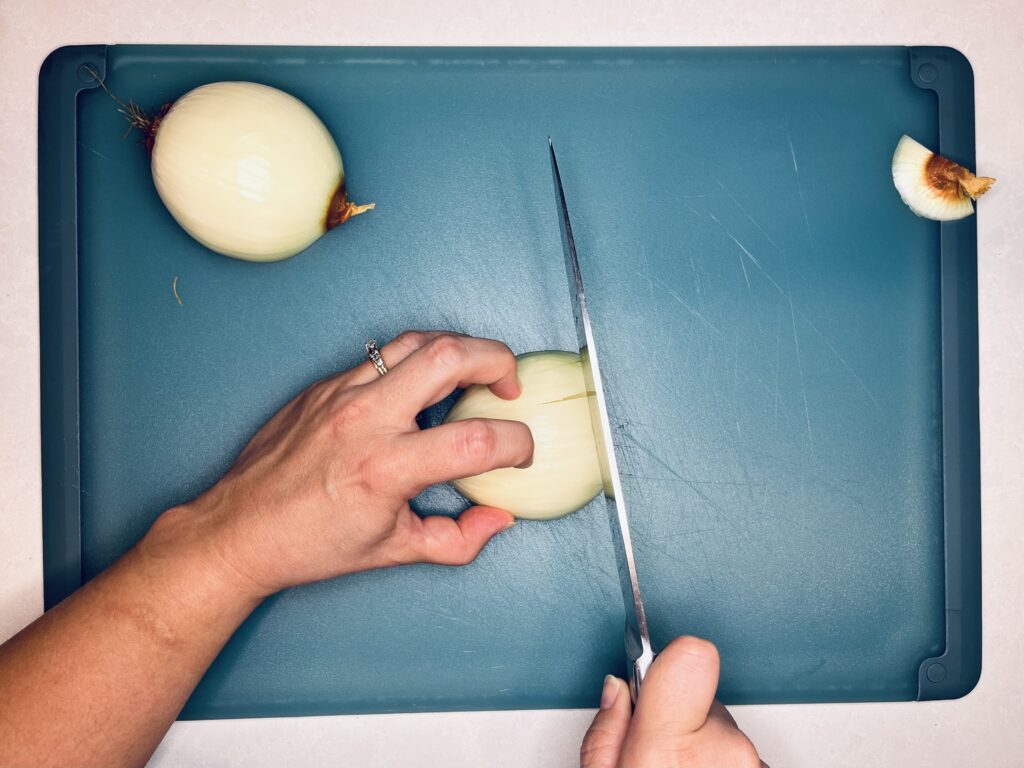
603	742
448	361
676	696
459	449
392	353
719	713
722	737
452	541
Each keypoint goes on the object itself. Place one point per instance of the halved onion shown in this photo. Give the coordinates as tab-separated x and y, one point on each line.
555	404
933	186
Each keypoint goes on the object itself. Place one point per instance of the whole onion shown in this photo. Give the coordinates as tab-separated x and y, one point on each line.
247	170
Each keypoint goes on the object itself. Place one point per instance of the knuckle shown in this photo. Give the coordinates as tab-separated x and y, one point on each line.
447	351
743	754
462	557
411	340
508	357
348	414
317	394
370	473
476	442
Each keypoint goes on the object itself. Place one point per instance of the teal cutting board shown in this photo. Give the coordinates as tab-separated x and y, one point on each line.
790	358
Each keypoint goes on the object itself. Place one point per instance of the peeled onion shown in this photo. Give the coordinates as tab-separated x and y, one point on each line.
248	170
933	186
555	404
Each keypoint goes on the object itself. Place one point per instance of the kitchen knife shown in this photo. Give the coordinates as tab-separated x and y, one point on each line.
639	653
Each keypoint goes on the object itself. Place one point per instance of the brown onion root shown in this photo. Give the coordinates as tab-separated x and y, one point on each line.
341	209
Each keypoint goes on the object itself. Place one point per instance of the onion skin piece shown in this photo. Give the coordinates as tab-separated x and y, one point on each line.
933	186
565	474
248	170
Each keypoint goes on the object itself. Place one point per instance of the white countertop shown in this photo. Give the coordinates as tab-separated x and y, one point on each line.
984	729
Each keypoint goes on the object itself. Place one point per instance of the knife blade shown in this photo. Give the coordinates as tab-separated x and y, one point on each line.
639	652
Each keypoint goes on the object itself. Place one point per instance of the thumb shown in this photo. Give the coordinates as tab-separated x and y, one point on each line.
675	698
455	541
603	742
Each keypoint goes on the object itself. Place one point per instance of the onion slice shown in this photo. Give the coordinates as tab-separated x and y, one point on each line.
933	186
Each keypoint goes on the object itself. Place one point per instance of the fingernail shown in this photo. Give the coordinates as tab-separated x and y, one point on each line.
610	692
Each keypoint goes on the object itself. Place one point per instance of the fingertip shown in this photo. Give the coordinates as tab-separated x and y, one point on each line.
611	690
508	389
508	519
481	523
517	385
528	443
696	647
602	744
509	386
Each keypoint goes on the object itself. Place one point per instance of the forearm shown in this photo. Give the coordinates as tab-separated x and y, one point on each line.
100	678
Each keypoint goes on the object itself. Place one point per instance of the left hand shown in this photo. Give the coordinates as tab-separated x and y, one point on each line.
322	489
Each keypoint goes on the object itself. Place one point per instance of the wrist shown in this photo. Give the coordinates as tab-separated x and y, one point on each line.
195	538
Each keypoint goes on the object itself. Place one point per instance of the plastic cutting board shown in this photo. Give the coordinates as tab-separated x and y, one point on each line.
791	358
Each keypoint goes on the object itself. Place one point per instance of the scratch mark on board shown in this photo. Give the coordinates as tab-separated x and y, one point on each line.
800	312
753	259
99	154
778	323
696	278
647	270
746	277
443	615
800	368
744	211
679	299
707	561
799	187
691	209
792	153
692	486
807	221
688	480
840	357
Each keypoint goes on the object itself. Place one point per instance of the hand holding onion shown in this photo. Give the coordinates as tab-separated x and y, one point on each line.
322	489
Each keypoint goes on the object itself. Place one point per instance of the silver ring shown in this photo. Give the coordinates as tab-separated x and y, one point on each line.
373	353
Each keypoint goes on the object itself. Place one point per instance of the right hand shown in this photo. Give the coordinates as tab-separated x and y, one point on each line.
323	488
677	722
